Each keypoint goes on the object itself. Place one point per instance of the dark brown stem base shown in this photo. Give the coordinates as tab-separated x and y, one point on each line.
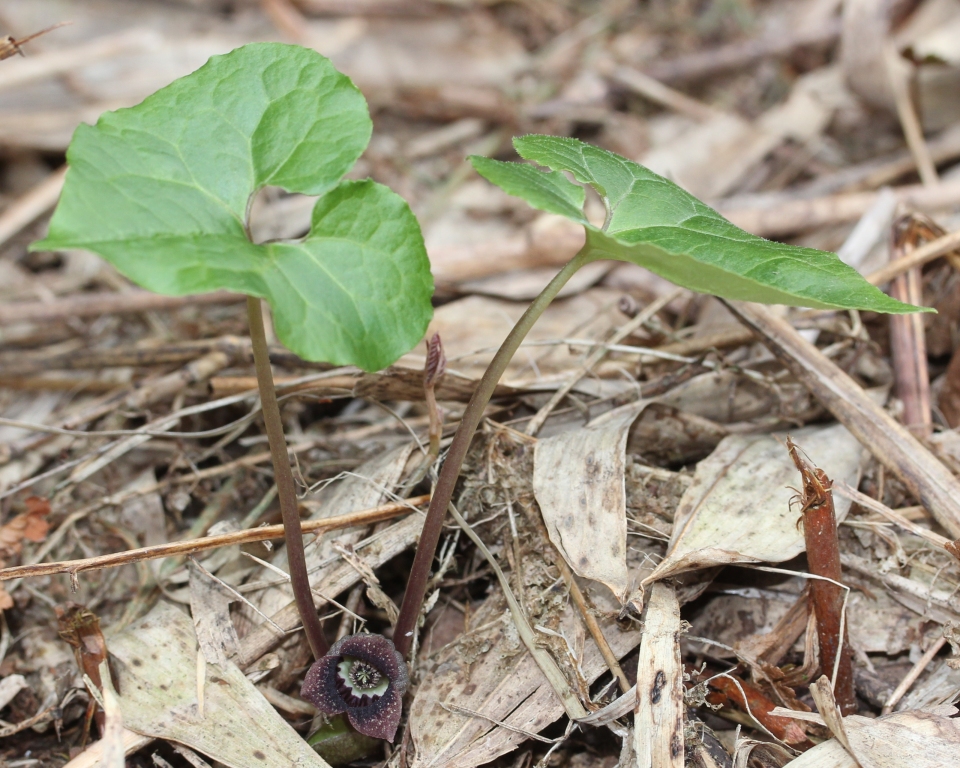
283	476
823	558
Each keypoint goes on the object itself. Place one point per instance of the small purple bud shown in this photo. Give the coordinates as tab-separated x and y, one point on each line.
436	364
364	676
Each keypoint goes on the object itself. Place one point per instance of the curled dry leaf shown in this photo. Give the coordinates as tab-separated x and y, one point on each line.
900	740
156	677
30	525
737	510
79	627
578	481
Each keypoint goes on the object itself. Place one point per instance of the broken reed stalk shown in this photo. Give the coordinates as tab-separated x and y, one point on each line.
450	472
823	557
283	477
924	475
907	334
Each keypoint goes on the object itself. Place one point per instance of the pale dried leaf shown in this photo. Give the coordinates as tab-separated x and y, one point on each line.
92	756
210	608
10	686
488	671
365	488
472	329
900	740
725	397
829	754
738	507
154	663
822	693
578	481
879	624
114	750
930	38
941	44
658	722
865	27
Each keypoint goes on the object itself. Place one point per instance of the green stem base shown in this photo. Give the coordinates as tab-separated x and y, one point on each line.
339	744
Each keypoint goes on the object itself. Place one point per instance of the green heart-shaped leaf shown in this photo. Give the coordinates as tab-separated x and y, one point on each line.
654	223
161	190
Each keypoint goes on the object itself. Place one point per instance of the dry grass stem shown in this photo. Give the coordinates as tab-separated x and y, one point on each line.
265	533
922	255
911	677
97	304
894	516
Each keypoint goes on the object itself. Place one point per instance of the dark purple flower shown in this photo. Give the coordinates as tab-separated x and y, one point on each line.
364	676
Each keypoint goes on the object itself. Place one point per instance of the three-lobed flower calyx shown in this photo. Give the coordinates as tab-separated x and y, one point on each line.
363	676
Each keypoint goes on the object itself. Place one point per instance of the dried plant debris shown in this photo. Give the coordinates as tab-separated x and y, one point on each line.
893	741
212	708
659	718
658	468
487	677
31	525
737	510
579	483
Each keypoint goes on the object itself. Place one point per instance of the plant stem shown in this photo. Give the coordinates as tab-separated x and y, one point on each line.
823	558
283	476
450	472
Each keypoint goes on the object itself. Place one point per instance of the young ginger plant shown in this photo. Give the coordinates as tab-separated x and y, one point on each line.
163	191
652	222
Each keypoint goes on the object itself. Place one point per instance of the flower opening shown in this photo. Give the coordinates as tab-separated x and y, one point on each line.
363	676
